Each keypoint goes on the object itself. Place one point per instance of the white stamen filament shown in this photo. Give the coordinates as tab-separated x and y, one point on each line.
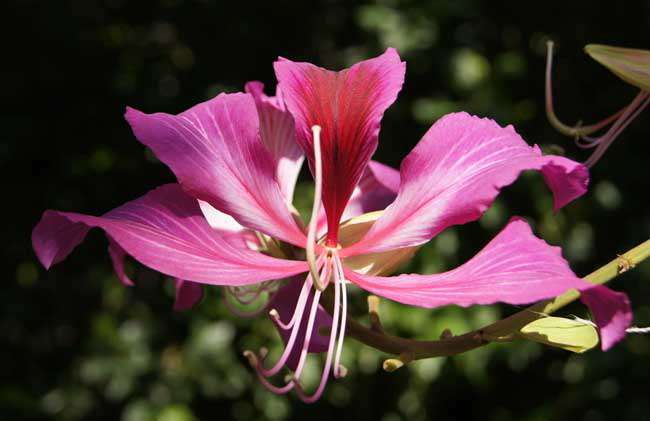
318	191
331	267
303	296
256	361
334	342
299	312
339	370
328	358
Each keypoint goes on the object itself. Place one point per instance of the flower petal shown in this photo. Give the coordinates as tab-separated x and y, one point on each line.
453	175
377	189
166	231
229	229
383	263
187	294
279	135
284	302
214	149
515	268
118	255
611	310
348	105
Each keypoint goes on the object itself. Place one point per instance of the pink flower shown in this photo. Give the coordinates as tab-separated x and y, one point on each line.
230	222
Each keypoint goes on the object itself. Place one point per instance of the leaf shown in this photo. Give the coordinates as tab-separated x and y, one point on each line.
573	335
631	65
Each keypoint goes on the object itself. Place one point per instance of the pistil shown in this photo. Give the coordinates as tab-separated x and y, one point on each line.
318	191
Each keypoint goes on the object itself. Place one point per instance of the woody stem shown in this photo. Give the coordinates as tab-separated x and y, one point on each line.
415	349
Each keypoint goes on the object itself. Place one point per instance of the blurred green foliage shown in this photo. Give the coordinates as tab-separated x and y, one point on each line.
77	345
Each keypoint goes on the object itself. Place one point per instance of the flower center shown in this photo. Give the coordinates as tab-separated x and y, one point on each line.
322	268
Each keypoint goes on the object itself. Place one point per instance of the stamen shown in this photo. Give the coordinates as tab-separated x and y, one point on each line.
328	359
339	370
303	295
310	324
299	311
337	334
639	103
256	361
318	191
575	131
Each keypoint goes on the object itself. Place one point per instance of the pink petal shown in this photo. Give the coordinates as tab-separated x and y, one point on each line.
229	229
166	231
279	135
376	190
454	174
118	255
612	313
187	294
284	301
214	149
348	105
515	268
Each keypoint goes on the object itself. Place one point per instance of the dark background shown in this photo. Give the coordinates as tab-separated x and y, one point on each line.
74	344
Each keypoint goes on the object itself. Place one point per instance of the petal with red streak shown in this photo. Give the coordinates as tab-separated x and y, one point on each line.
376	190
348	105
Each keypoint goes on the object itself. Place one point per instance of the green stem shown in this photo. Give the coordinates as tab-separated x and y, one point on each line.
412	349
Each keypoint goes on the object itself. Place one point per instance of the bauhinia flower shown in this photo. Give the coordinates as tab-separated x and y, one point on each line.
229	220
633	67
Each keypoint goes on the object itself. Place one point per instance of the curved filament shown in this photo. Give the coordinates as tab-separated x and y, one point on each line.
318	192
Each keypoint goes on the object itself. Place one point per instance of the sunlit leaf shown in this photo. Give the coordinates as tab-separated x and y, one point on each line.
573	335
